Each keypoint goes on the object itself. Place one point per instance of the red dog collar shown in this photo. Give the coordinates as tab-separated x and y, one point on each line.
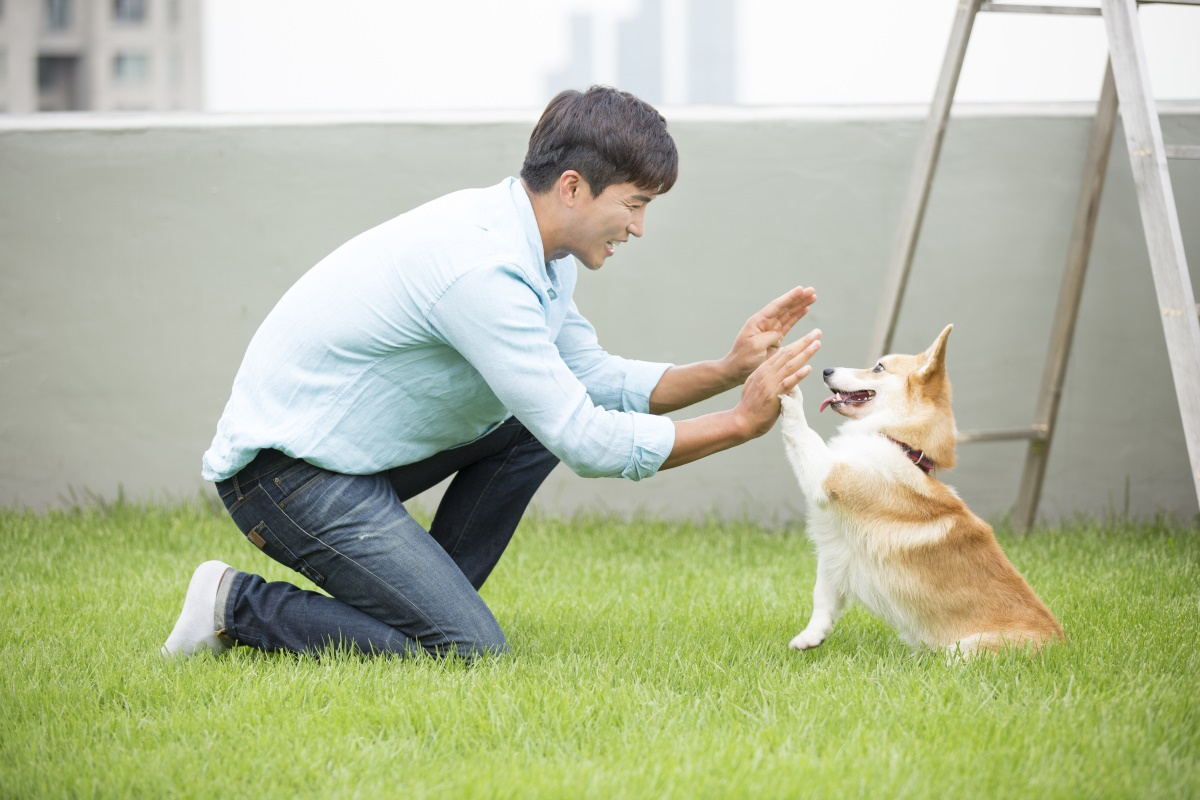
917	457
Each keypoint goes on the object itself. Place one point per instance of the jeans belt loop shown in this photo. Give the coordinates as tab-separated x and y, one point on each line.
237	487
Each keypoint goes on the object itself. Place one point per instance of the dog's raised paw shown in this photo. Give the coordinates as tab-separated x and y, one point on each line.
792	403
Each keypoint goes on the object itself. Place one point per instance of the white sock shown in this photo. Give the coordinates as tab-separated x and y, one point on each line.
195	629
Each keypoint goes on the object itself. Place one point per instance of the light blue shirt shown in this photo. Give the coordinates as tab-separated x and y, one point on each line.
427	332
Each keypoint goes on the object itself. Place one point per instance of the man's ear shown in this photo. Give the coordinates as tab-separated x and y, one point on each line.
935	357
570	184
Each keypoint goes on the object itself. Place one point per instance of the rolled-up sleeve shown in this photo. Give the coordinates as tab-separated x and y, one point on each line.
612	382
494	319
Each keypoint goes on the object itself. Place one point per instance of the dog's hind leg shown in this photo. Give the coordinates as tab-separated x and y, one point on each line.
991	643
806	451
828	604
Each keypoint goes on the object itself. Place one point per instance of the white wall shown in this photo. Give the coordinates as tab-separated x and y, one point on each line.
137	257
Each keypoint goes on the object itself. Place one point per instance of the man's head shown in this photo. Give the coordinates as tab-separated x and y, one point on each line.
605	135
595	159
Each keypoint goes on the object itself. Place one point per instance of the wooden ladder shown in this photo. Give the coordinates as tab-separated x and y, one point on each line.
1126	80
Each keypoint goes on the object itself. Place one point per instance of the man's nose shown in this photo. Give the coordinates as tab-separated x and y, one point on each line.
637	226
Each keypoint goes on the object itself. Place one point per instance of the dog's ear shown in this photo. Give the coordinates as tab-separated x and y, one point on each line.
935	357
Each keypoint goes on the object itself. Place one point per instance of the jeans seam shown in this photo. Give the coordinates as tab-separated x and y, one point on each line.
236	577
240	503
283	546
385	584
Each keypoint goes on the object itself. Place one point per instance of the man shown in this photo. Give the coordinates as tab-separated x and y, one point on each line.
446	342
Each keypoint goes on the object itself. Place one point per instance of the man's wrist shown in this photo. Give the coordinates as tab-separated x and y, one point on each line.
728	373
741	428
702	436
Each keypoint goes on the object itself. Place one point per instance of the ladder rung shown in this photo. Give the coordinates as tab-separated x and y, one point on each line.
1035	433
1080	11
1185	151
1077	11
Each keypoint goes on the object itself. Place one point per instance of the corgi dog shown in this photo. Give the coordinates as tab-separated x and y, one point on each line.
891	535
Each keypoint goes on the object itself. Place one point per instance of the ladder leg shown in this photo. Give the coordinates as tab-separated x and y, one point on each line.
1164	241
1095	166
922	176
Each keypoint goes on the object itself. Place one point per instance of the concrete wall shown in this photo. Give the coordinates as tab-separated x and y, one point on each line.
138	255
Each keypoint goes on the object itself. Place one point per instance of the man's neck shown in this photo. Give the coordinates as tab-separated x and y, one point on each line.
544	208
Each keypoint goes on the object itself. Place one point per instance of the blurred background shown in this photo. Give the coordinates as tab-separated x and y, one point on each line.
168	168
371	55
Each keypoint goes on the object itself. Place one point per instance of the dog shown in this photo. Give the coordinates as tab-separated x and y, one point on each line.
891	535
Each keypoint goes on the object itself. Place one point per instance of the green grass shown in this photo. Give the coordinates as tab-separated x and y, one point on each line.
649	659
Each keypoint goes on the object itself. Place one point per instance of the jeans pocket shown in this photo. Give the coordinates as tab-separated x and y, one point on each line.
264	539
296	480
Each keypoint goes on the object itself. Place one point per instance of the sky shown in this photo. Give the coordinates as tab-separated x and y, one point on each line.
380	55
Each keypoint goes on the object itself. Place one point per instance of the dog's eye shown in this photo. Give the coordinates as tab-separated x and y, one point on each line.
878	367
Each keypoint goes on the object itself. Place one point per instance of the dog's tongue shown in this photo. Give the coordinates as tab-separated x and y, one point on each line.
825	404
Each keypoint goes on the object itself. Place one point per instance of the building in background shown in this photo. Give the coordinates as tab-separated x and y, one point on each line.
667	51
100	55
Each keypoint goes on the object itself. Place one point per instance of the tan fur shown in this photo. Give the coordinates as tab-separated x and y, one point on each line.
898	540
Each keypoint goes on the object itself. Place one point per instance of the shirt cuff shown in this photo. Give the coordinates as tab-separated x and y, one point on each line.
653	441
640	379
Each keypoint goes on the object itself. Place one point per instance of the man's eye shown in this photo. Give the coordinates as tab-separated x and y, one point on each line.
878	368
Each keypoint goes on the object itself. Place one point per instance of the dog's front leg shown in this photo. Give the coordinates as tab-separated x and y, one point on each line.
828	603
806	451
812	462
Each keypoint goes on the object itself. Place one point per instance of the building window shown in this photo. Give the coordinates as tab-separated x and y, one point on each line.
59	83
129	10
131	68
58	14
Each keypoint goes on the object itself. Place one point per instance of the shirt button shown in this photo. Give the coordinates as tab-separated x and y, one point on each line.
552	293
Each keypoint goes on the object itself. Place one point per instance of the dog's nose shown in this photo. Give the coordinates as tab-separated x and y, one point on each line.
828	372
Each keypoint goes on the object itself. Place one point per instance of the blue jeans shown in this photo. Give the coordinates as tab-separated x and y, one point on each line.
395	588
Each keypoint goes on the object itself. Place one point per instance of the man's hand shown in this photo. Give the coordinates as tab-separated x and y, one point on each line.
763	334
759	338
759	405
755	412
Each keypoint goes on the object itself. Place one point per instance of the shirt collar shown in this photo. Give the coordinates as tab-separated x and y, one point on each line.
524	206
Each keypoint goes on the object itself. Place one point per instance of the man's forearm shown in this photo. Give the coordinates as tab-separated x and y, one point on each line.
703	436
682	386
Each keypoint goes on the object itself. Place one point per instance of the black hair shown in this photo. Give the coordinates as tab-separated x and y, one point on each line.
607	136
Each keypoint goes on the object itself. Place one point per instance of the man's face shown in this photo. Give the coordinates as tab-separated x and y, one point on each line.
602	223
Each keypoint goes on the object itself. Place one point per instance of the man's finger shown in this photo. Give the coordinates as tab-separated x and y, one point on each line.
800	345
788	381
768	340
801	350
781	306
796	314
807	339
803	357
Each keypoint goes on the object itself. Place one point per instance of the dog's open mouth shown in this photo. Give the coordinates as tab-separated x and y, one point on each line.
847	398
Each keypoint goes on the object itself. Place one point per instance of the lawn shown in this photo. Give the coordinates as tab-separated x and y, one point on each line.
649	659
